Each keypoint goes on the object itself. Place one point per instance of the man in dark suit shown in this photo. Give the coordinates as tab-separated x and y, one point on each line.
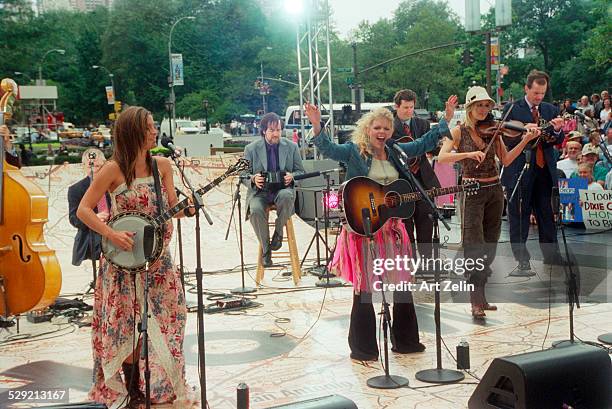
538	180
405	123
272	153
10	155
86	239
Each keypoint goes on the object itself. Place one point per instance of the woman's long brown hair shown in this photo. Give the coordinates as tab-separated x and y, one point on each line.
129	138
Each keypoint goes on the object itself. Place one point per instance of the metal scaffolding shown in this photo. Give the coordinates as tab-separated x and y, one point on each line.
314	65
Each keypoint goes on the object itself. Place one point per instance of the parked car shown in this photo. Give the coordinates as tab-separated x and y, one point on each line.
181	127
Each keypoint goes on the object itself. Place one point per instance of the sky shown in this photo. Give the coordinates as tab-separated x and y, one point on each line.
348	13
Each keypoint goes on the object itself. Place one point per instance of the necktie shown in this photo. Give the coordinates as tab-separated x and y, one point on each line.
540	161
414	163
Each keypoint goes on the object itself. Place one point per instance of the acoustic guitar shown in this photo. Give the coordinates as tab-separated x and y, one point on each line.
30	275
363	197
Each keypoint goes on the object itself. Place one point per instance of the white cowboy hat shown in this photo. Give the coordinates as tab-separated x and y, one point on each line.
476	94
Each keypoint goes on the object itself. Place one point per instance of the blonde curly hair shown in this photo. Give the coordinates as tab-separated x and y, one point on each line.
360	135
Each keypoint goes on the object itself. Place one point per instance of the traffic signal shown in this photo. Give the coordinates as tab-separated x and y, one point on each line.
117	106
468	57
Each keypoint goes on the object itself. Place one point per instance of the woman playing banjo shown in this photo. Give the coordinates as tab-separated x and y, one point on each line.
118	295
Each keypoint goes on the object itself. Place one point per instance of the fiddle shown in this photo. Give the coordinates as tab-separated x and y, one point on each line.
489	127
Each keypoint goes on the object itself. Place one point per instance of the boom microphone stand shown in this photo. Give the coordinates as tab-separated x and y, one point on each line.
180	243
197	201
437	374
570	275
237	203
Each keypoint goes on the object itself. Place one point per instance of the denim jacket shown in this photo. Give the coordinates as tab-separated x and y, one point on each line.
357	165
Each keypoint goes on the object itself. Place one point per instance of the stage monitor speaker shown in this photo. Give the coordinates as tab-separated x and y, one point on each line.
308	191
324	402
577	376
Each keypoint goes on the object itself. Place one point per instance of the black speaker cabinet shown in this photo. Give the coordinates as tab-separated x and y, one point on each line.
577	375
324	402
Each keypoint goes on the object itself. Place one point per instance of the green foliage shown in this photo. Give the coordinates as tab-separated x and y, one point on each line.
230	41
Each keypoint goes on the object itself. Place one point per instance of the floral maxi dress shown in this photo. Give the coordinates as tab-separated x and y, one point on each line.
117	313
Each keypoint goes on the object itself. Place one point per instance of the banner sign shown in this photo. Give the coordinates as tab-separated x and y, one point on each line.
177	69
110	95
570	199
596	209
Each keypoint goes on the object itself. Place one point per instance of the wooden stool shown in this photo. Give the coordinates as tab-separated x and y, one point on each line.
291	255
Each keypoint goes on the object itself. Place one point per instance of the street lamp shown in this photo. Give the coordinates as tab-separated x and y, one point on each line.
111	76
170	76
40	63
263	90
205	105
23	74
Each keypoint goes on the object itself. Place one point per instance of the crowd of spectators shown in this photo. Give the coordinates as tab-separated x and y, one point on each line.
588	140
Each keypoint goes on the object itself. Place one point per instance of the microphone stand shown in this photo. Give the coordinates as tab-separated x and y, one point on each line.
385	381
518	186
570	276
143	328
197	201
327	283
237	203
437	374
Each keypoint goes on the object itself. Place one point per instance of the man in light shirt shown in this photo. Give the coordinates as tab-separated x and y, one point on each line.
569	165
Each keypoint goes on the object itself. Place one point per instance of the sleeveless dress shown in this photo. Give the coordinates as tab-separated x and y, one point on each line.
117	306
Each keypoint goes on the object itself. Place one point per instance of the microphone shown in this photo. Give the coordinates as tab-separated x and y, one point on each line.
315	174
392	144
367	222
169	144
527	158
555	200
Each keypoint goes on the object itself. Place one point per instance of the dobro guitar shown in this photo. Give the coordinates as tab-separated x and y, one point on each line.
30	275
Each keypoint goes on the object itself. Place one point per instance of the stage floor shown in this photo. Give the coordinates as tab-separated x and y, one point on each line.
294	346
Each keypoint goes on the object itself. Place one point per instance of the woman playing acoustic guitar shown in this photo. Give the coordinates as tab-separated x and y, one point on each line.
118	295
368	155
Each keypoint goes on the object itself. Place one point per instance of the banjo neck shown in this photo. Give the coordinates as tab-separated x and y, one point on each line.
183	204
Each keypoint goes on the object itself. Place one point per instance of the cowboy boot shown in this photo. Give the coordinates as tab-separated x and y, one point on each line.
132	382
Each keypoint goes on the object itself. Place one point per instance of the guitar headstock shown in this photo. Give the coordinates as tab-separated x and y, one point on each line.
240	166
470	186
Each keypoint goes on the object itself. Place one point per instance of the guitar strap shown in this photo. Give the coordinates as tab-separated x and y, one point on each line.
158	194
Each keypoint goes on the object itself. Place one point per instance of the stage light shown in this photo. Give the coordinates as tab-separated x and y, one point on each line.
294	6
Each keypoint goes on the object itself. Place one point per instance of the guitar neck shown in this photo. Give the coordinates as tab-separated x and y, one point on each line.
183	204
415	196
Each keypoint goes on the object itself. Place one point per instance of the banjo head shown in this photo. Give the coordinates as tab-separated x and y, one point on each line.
134	260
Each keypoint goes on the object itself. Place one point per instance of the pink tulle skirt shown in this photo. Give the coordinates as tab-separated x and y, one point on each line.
354	262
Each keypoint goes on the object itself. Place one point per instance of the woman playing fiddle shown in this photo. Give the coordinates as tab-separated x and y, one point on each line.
483	210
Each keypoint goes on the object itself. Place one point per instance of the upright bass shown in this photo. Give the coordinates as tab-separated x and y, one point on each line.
30	275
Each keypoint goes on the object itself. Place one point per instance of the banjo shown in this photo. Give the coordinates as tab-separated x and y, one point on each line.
139	223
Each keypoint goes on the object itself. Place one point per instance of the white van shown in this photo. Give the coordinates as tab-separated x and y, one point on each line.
181	127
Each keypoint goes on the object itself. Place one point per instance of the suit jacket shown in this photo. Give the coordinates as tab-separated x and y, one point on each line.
81	247
289	160
522	112
418	128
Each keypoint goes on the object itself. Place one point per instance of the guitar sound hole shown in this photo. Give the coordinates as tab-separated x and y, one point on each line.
392	199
